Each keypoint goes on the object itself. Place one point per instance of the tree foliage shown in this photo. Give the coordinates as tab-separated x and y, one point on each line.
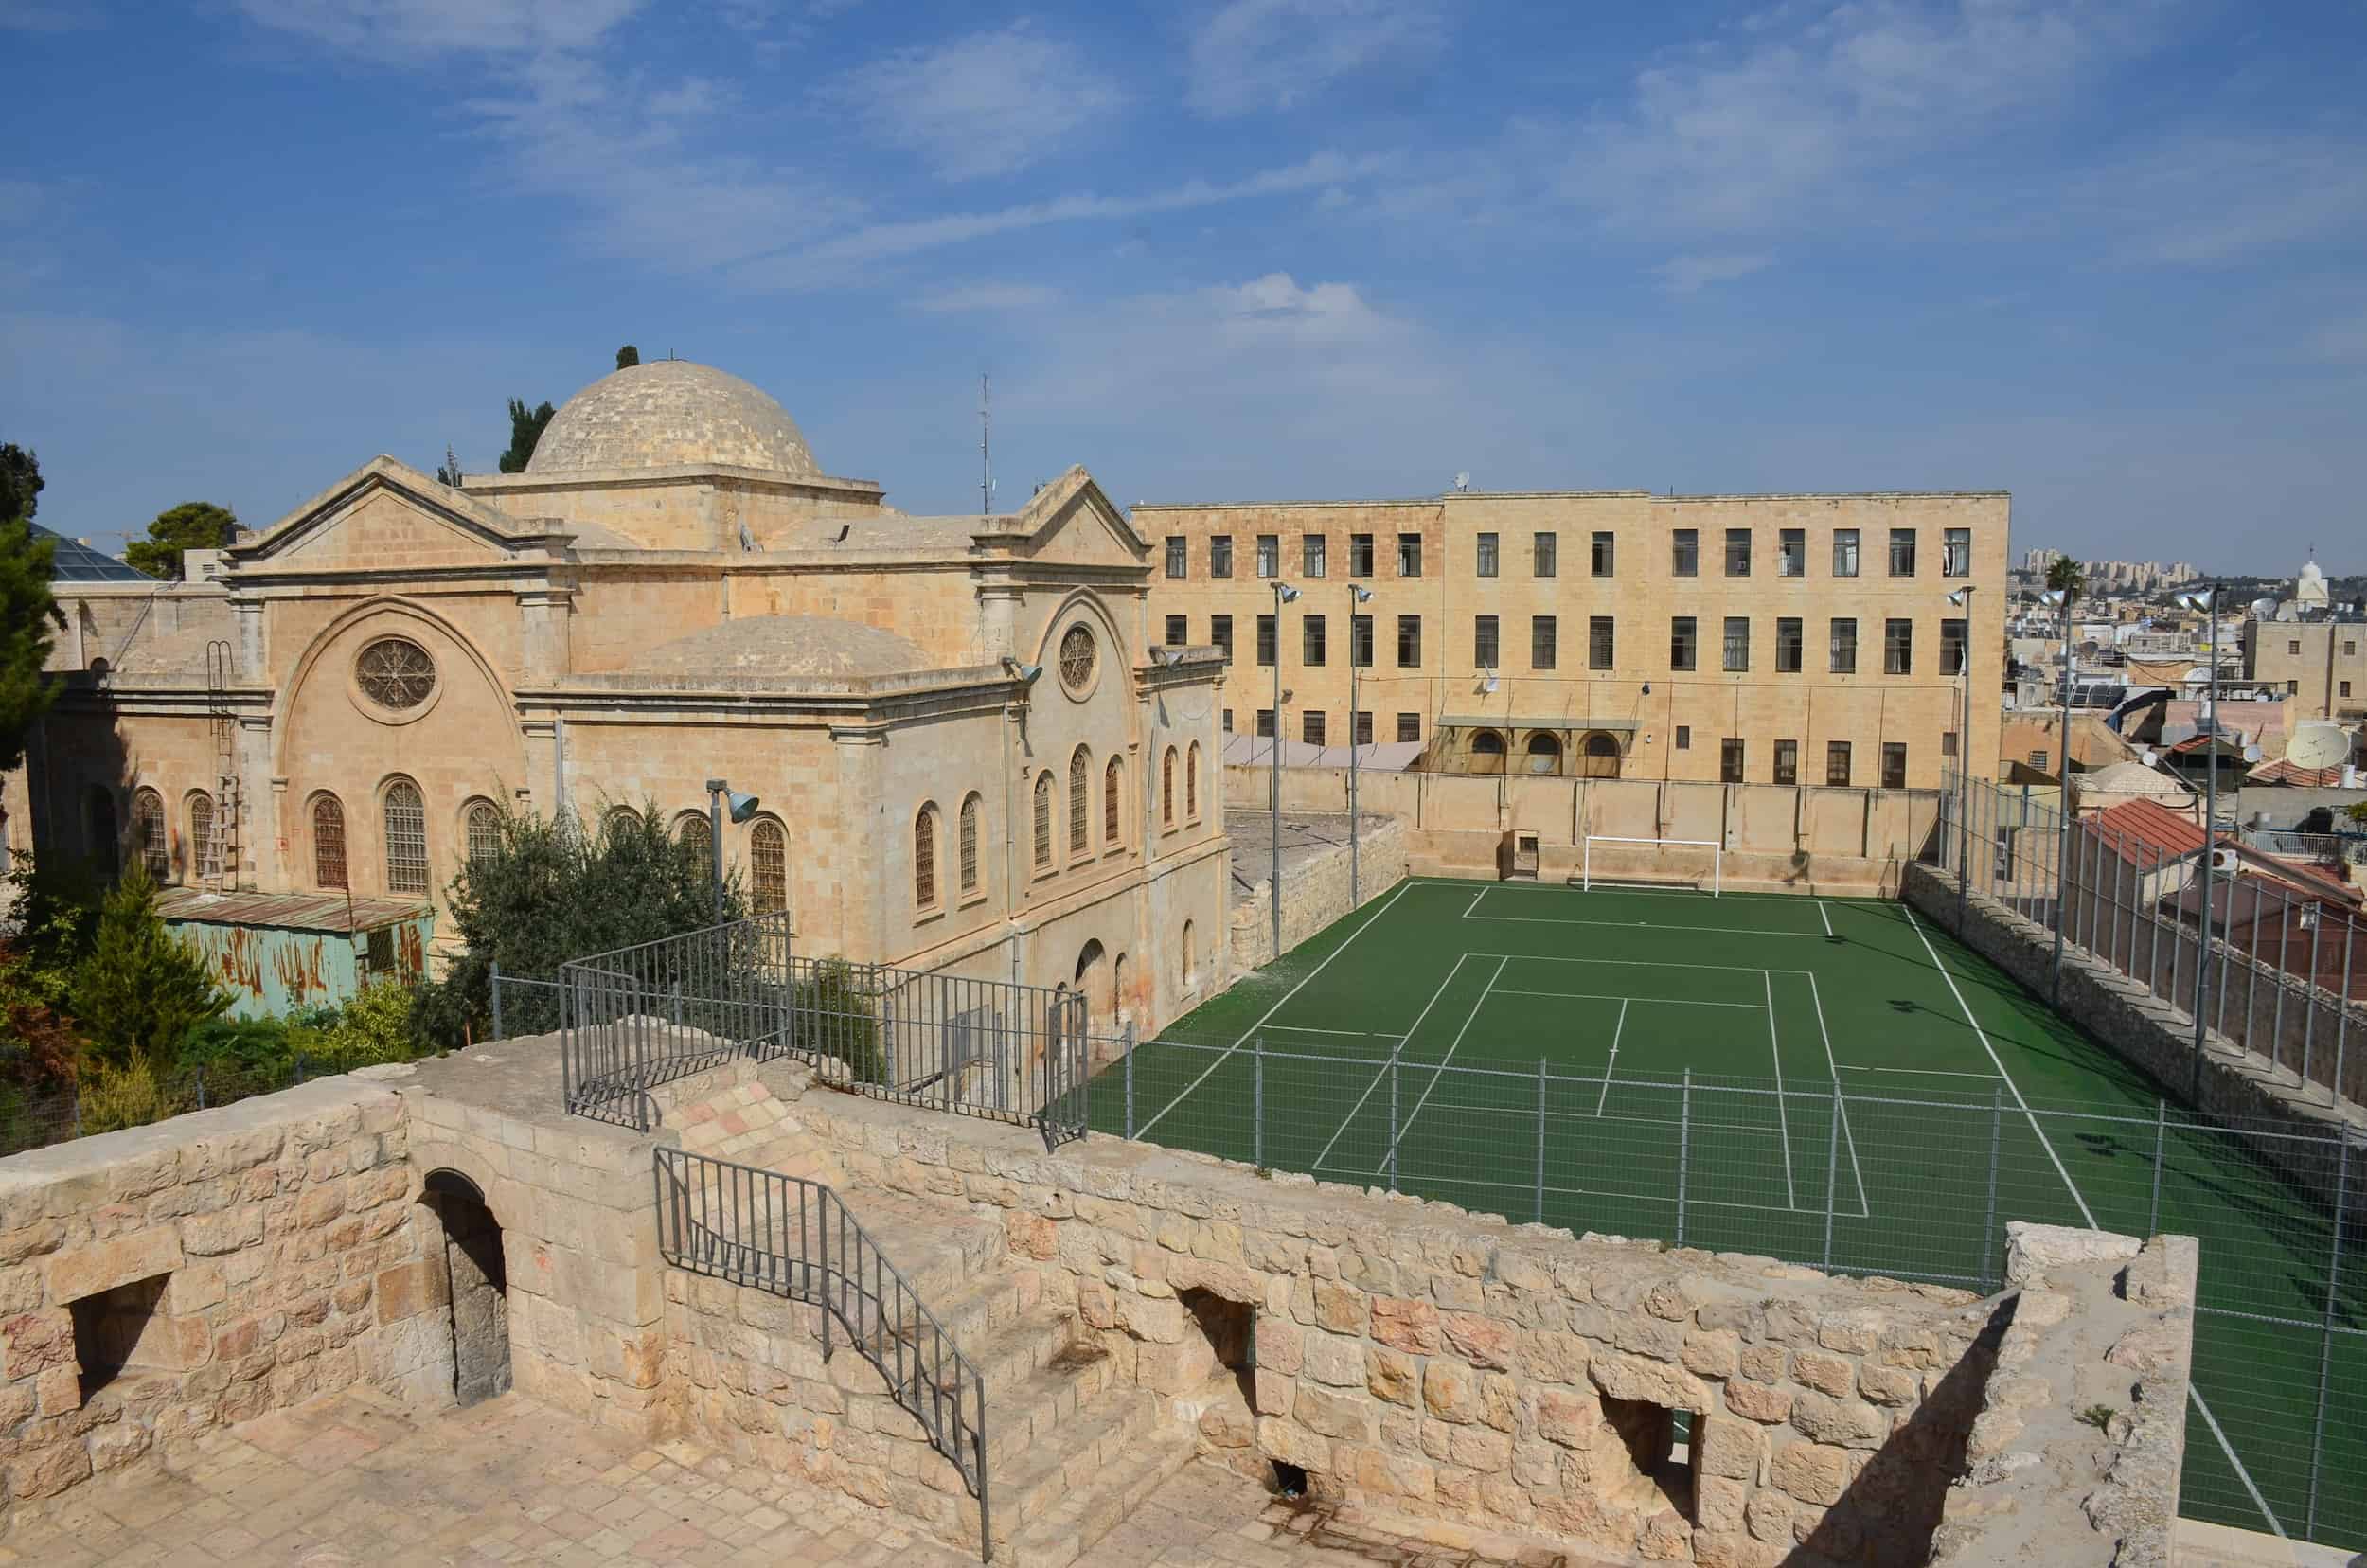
141	990
554	890
29	622
2067	576
627	357
21	482
191	525
525	430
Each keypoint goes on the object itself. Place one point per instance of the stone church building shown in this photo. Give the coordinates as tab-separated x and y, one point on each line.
968	757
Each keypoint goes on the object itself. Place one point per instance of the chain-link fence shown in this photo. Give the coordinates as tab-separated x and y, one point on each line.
33	1120
1913	1186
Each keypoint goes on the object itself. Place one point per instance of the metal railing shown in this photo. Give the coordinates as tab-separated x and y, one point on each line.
2320	849
642	1016
795	1239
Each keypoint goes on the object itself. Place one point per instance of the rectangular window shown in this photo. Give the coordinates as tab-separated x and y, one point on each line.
1311	726
1363	728
1266	640
1894	764
1844	646
1684	737
1902	552
1681	643
1409	642
1361	641
1684	553
1898	647
1485	546
1837	763
1545	554
1544	641
1791	642
1737	642
1948	743
1730	761
2038	758
1312	641
1603	558
1956	552
1484	649
2349	648
1792	553
1409	555
1221	556
1176	550
2347	689
1269	555
2293	647
1952	647
1265	722
1228	720
1220	632
1409	727
1600	653
1359	555
1179	631
1737	552
1844	552
1311	555
1786	761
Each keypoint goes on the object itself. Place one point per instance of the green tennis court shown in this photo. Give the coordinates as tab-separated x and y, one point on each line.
1830	1082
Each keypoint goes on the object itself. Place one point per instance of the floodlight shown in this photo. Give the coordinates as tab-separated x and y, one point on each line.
1363	595
1962	597
1025	673
1286	593
2052	595
1489	685
739	807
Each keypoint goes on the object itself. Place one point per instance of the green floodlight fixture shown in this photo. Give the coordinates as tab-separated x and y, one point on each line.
723	800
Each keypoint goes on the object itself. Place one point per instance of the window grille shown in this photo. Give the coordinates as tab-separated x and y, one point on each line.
969	844
1730	761
1112	792
1684	553
1077	658
1682	637
1079	801
1791	643
1312	728
1191	782
925	855
1737	552
1544	642
1843	660
148	836
1837	763
1486	550
767	867
1043	820
694	833
1956	552
328	842
1792	553
1786	761
1220	632
1311	646
1894	764
1484	642
1313	555
1269	555
1737	642
1359	555
1175	556
1179	631
1898	647
1844	552
1221	556
1409	642
405	816
202	835
1410	555
395	672
1600	646
1902	552
1167	787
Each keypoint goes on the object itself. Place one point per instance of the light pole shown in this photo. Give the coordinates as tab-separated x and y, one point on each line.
2207	601
2063	805
1283	594
741	807
1357	594
1962	598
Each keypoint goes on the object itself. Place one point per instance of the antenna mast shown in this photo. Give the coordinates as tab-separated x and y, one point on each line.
985	462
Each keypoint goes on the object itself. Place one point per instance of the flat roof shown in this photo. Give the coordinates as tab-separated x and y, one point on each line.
1582	496
332	912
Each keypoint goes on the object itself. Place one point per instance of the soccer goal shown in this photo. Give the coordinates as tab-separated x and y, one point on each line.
1691	865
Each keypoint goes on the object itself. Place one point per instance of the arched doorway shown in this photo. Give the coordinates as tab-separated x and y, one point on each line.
477	1285
1093	978
1488	752
1544	752
1600	757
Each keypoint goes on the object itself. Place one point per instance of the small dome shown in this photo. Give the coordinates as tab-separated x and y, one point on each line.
668	413
784	646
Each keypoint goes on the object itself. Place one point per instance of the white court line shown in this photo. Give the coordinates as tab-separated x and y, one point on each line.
1390	1067
1783	1117
1617	1029
1357	1034
2237	1465
1636	963
1438	1070
1832	1066
1227	1054
1475	902
1822	916
1926	1072
1615	996
1635	925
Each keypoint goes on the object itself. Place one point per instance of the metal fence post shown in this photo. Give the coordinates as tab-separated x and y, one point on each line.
299	1067
2309	995
2342	1008
1684	1146
1257	1100
2325	1337
1540	1140
1988	1223
1392	1116
201	1088
1130	1082
2160	1138
78	1108
1832	1166
2284	979
496	988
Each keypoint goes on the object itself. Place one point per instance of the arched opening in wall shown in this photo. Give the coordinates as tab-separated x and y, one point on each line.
1093	978
1219	1376
1599	757
1119	1001
1191	960
1488	752
476	1283
1544	753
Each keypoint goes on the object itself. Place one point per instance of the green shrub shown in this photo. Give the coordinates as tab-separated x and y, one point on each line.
115	1097
140	992
375	1027
837	1017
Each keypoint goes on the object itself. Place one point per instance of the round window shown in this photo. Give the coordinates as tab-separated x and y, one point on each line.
1077	658
395	672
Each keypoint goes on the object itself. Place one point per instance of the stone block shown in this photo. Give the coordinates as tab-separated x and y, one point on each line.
1160	1321
1481	1340
213	1234
1450	1391
1339	1309
1281	1345
1385	1474
1834	1375
1624	1376
407	1289
1811	1472
1391	1375
119	1260
57	1390
1480	1449
1568	1419
1768	1403
2032	1249
1335	1360
1345	1415
1730	1446
1845	1423
1293	1445
46	1472
33	1341
1405	1325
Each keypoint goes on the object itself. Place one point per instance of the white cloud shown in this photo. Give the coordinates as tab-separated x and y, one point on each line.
1255	55
988	297
990	103
2206	199
430	26
1691	274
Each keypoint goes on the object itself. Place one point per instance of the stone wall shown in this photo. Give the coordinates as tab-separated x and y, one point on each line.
157	1282
1315	892
2076	1453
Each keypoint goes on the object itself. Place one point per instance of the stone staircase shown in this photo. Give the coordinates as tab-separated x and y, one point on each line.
1070	1448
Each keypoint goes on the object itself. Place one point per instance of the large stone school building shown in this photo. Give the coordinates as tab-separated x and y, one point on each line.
968	757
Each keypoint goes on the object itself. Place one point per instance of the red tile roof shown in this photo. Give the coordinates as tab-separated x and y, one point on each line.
2140	825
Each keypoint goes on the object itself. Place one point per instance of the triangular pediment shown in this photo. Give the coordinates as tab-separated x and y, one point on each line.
388	515
1072	522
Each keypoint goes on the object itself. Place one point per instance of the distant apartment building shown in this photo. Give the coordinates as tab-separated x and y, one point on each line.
2114	577
2320	663
1786	639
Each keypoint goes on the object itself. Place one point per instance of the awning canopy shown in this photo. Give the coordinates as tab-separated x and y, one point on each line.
1454	721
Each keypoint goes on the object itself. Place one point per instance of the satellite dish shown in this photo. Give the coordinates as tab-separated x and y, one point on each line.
2145	754
2252	754
2318	746
2264	609
1463	481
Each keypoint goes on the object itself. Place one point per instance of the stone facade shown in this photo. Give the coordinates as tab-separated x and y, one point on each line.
2321	665
1315	889
1550	701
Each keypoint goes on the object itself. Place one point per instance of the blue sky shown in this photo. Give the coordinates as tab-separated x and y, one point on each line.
2110	257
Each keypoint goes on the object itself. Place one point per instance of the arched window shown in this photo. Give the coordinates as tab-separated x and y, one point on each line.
1191	782
1488	752
1113	799
147	835
1544	753
405	819
202	856
1167	787
1080	765
768	866
1191	960
482	822
696	834
970	843
1043	820
329	841
621	821
1601	755
925	855
98	830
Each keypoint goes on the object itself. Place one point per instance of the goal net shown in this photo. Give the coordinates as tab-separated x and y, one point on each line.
1693	865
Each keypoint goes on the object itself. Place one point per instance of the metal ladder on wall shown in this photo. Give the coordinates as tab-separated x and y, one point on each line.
218	849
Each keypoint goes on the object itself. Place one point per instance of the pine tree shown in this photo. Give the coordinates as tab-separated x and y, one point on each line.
627	357
525	430
191	525
141	989
28	619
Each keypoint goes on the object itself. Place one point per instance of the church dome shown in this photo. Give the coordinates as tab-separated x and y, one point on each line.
669	413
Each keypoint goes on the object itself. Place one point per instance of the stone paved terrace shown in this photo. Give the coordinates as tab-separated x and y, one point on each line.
361	1480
